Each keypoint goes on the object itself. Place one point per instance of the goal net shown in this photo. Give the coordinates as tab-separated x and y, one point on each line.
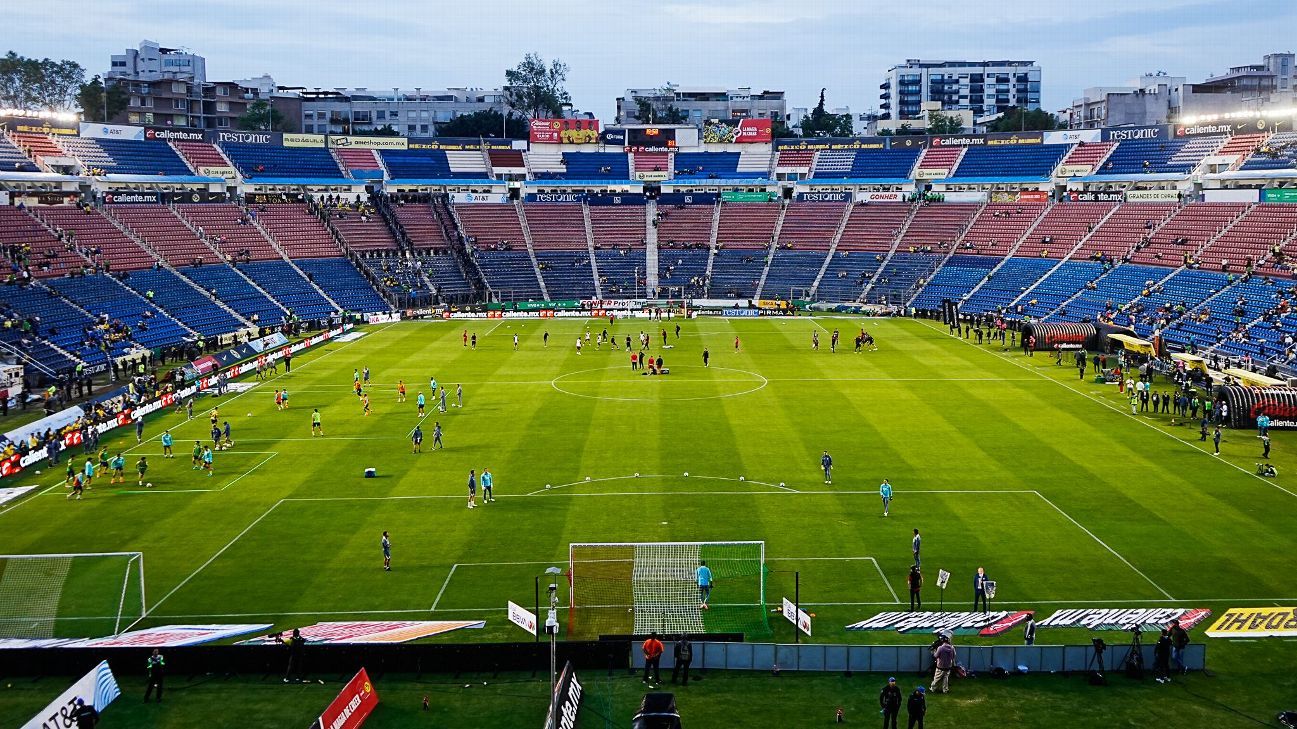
638	588
70	595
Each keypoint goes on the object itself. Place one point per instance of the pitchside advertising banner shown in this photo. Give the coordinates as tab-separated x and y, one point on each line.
348	142
1152	195
369	632
478	198
882	196
171	134
1131	134
1256	622
1012	139
96	689
1147	619
820	144
354	704
1074	136
522	617
825	196
554	197
33	125
170	636
304	140
112	131
566	702
1021	196
797	617
738	131
1279	195
687	198
1084	196
215	136
564	131
459	144
960	623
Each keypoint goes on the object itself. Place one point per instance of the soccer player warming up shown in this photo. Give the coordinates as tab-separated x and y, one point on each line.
885	493
826	462
472	489
488	482
387	553
705	582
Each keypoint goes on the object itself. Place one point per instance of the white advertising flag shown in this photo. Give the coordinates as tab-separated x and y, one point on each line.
97	689
522	617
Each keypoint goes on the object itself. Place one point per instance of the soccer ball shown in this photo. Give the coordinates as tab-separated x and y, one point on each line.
548	486
686	474
249	415
148	485
636	474
742	479
587	478
781	484
39	473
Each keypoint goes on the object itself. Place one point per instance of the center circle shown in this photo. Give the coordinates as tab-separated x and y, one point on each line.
681	385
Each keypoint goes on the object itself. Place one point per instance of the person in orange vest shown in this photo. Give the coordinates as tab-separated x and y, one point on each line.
652	657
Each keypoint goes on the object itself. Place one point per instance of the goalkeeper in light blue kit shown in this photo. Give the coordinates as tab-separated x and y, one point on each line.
705	582
488	481
885	492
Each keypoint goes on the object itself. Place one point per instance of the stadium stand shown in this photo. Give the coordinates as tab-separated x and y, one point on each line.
37	146
685	225
795	161
12	158
998	227
418	164
108	300
1187	231
1033	161
420	225
1124	229
491	225
360	164
1241	146
93	158
792	272
362	232
1087	154
510	274
658	162
48	256
617	226
847	275
1062	228
1276	153
545	165
954	280
343	283
507	161
92	230
297	230
882	164
201	154
230	230
166	234
237	292
1007	283
736	273
199	311
684	270
747	224
1152	156
621	272
1120	284
1059	285
874	226
898	279
556	225
289	287
260	161
468	164
754	163
938	225
834	164
811	225
596	166
567	273
938	161
1260	233
132	157
708	165
62	324
444	273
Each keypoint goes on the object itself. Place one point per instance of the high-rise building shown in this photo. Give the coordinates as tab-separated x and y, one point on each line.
358	111
982	87
701	104
152	62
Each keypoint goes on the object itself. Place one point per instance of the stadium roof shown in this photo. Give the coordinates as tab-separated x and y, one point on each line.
1134	177
166	179
37	177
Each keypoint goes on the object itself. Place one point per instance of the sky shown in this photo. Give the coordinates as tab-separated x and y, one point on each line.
796	46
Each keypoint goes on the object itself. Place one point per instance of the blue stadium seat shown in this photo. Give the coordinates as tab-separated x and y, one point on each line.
143	158
421	164
596	166
283	282
708	165
1037	161
182	301
343	283
264	161
236	292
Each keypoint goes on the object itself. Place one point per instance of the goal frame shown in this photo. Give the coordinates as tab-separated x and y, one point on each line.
134	562
572	561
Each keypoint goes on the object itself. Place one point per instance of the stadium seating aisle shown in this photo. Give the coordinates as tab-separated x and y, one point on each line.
954	280
1006	284
1127	225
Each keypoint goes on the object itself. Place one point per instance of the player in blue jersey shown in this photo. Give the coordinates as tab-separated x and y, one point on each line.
705	581
472	489
167	442
885	493
488	481
420	401
826	462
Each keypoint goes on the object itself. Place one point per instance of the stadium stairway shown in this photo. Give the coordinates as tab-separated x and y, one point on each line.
774	245
954	280
1005	283
531	248
239	292
833	248
184	301
105	296
62	324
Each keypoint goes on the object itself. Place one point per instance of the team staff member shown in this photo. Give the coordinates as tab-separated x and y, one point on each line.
915	581
979	589
890	701
155	669
683	653
652	649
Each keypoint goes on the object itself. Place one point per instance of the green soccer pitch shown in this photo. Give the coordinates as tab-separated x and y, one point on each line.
1001	461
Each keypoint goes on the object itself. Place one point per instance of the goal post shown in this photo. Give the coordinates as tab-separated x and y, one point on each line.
642	587
70	595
